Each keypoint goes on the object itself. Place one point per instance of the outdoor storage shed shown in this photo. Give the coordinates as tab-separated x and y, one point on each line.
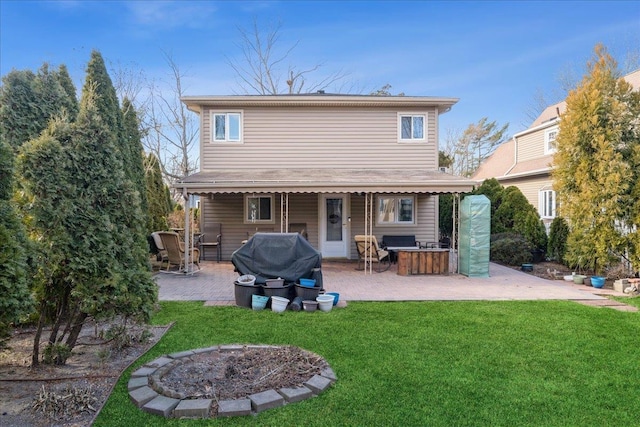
475	236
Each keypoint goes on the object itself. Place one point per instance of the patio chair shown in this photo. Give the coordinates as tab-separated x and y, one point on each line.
369	251
210	239
176	250
157	242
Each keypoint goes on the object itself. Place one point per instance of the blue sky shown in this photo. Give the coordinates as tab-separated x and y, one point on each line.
494	56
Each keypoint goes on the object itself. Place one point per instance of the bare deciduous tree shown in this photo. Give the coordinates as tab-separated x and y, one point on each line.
170	130
262	67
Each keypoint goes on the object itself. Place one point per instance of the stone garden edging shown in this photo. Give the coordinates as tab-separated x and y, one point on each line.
146	391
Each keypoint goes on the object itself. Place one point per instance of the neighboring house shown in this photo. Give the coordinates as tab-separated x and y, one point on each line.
329	164
526	160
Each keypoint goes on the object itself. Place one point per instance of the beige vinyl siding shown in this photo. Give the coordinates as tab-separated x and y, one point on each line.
531	187
531	146
228	209
303	208
320	138
425	228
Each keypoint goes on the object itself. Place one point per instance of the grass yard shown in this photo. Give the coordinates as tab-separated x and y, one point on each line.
428	363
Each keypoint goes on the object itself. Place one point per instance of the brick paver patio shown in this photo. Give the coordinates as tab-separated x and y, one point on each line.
214	284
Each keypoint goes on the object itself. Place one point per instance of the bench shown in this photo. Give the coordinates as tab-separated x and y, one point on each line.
395	243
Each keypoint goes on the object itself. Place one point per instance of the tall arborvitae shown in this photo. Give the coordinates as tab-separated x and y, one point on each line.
29	101
86	212
133	142
20	118
71	101
15	298
157	194
595	171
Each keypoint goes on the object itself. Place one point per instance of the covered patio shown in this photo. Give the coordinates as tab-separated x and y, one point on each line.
214	285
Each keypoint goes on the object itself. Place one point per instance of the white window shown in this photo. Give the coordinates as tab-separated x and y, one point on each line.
258	209
411	127
550	136
226	126
396	210
547	204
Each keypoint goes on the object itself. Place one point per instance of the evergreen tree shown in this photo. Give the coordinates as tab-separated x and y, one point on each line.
85	211
133	144
15	298
70	102
20	118
595	173
158	195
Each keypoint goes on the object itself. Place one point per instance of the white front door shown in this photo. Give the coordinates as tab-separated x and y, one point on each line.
334	225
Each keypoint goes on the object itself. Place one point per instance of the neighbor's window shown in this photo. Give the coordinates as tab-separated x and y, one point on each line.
547	204
226	126
411	127
396	210
550	136
258	209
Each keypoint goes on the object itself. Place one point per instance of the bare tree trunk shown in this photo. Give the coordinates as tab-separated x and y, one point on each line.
35	354
76	329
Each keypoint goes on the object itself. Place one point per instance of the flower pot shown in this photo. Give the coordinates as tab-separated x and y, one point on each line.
597	281
277	291
309	305
309	283
307	293
336	297
258	302
526	267
244	293
279	304
274	283
578	279
247	279
325	302
587	281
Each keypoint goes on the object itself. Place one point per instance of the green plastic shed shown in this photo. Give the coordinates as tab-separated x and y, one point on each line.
475	236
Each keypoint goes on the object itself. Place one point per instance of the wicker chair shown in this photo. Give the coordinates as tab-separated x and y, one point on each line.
176	251
369	251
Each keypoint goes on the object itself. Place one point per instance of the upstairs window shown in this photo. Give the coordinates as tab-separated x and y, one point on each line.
226	126
547	204
396	210
411	127
258	209
550	136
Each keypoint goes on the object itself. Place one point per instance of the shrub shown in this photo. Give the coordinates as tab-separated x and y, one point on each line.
557	244
510	249
532	229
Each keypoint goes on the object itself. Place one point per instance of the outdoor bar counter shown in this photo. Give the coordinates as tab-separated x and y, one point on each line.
423	261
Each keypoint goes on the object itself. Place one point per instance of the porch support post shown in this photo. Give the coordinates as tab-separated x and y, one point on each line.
454	234
187	231
284	212
368	231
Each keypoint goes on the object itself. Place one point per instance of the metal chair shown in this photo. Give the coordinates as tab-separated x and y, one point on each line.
369	251
212	238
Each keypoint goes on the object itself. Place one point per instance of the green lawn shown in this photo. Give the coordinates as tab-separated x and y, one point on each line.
429	363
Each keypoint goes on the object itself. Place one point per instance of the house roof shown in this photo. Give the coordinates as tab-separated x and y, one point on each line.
498	163
195	103
324	181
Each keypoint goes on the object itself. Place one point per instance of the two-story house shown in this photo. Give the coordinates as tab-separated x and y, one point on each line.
526	160
333	165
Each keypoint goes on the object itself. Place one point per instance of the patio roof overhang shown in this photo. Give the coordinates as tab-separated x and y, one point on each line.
324	181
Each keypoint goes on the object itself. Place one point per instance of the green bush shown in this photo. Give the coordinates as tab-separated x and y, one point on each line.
510	249
532	229
557	244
